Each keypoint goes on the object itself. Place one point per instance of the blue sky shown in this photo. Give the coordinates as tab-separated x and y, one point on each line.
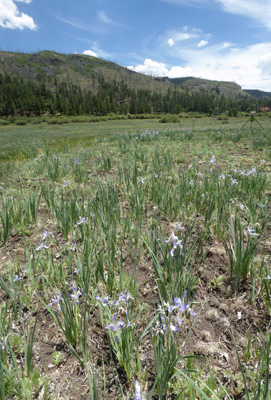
226	40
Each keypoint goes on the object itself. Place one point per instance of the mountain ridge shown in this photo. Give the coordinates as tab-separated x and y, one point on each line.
88	72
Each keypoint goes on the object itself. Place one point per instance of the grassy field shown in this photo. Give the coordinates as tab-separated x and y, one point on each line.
135	260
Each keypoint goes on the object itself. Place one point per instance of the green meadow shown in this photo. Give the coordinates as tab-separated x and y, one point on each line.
135	259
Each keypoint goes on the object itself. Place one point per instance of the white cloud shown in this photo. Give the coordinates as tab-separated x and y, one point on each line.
179	37
259	10
179	72
264	64
12	18
90	53
104	18
249	67
185	36
151	67
202	43
254	9
155	68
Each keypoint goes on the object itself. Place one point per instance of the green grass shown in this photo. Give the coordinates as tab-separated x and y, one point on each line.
126	255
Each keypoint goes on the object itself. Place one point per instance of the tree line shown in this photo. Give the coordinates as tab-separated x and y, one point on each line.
20	97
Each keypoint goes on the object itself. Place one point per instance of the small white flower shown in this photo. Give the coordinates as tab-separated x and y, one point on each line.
46	234
178	226
252	232
16	278
141	180
241	206
82	220
212	160
137	391
42	246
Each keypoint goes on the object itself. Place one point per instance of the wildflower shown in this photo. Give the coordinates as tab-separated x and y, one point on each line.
104	301
177	244
178	226
172	238
241	206
158	329
76	294
234	182
181	306
261	206
16	278
3	344
115	326
124	298
42	246
252	172
212	160
252	232
77	271
141	180
56	301
82	220
164	324
191	183
174	328
76	162
268	278
46	234
169	308
137	391
222	176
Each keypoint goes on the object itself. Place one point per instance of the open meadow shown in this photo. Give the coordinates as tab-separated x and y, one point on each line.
135	260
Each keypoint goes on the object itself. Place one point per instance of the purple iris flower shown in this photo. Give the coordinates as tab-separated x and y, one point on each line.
137	391
16	278
56	301
104	301
3	344
82	220
141	180
42	246
115	326
124	298
76	294
182	306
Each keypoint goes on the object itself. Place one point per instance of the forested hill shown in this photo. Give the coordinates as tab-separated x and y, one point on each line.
228	89
84	71
258	94
48	82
